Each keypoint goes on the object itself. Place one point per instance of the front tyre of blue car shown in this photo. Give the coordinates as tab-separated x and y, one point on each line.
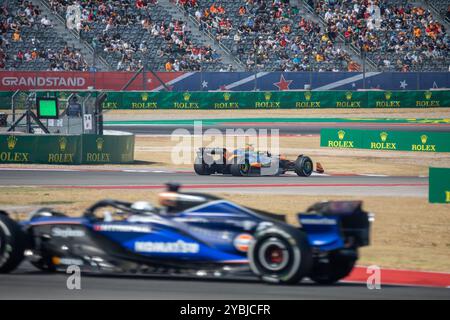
280	256
12	244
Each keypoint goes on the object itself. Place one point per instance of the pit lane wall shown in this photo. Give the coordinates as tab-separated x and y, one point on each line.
420	141
111	148
439	185
144	100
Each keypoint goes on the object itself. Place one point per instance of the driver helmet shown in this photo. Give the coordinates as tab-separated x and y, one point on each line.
143	206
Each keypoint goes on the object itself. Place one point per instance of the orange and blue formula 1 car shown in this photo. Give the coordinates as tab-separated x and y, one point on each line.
247	161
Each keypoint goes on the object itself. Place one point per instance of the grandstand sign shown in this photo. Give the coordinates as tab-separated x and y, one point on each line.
43	80
439	185
385	140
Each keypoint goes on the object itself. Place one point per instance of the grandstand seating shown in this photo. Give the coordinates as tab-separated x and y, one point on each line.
269	35
400	36
441	6
34	46
131	32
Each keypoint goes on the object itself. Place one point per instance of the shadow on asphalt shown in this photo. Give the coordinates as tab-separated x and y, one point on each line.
187	278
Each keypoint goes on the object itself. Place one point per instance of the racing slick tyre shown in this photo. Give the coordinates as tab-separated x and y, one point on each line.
12	244
336	268
280	256
241	168
201	168
303	166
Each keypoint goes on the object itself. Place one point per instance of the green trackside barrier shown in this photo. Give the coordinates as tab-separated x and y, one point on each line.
235	100
262	100
67	149
276	100
408	99
107	149
439	185
419	141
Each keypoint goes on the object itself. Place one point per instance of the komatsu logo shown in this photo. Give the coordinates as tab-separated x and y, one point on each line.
167	247
41	82
324	221
122	228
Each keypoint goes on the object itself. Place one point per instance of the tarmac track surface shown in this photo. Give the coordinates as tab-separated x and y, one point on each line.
285	128
27	283
288	184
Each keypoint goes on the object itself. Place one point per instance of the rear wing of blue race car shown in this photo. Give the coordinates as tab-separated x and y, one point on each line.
336	225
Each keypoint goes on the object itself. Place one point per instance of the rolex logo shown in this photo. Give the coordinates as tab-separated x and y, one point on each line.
267	96
308	95
388	95
227	96
349	95
424	138
341	134
12	141
186	96
100	142
144	96
62	144
428	95
383	136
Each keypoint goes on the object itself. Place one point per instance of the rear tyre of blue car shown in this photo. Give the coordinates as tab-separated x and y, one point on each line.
280	256
12	244
333	269
304	166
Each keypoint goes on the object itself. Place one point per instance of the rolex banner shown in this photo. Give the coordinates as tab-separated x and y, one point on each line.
277	100
385	140
439	185
67	149
220	100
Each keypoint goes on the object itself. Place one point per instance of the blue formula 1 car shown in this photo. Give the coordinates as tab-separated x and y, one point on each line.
191	233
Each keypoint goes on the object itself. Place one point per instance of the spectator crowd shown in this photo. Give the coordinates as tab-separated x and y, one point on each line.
22	25
133	32
270	35
266	35
395	34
